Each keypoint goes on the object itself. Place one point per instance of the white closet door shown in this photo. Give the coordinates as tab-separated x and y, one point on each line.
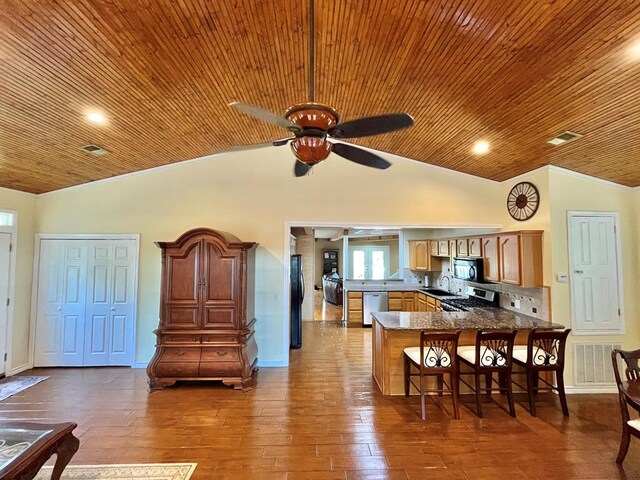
110	307
5	259
74	301
98	309
61	303
122	302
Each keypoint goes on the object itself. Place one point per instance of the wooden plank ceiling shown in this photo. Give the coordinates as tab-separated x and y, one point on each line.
513	73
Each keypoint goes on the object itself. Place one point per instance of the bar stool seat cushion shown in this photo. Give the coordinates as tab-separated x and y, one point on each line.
434	357
540	357
635	424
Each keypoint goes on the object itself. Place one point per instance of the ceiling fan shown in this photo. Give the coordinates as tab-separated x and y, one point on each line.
312	124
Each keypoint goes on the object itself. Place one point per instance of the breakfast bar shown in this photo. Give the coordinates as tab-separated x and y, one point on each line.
393	331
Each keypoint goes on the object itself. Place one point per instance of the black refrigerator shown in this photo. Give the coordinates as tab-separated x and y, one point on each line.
297	296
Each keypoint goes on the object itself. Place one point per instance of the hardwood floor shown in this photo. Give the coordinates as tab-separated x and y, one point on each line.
322	418
325	311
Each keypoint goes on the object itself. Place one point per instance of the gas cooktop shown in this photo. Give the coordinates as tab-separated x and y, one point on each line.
477	298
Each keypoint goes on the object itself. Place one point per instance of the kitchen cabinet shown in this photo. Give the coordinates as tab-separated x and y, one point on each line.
420	258
521	259
491	259
462	247
474	247
453	249
408	302
443	248
514	258
421	302
419	254
434	248
395	301
354	307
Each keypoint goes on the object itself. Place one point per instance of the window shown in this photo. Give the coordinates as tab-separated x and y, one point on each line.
7	219
369	263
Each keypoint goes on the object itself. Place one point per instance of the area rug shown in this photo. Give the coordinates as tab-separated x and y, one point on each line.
12	385
146	471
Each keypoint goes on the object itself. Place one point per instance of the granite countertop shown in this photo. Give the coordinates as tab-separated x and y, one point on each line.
473	319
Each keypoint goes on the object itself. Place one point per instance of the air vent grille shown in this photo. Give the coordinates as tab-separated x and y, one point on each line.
95	150
592	363
563	138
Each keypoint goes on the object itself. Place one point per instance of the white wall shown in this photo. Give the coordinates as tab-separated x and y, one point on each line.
25	206
252	194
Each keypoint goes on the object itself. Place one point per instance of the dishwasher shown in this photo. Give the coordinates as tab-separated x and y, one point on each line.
373	302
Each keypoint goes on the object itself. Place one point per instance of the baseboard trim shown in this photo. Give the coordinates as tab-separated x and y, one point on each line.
20	369
591	390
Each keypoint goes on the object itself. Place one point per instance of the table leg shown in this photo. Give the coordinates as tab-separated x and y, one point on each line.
66	450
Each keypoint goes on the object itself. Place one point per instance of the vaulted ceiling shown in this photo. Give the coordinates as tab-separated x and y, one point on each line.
163	72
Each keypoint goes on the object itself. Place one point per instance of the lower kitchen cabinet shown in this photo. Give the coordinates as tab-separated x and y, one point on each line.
395	301
354	307
408	302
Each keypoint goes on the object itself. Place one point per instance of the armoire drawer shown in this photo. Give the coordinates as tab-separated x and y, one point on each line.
180	354
179	339
220	354
219	338
177	369
220	369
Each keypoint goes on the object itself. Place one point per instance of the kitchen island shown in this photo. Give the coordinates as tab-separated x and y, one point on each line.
394	331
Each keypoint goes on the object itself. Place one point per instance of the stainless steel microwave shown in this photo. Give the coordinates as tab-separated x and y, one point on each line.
468	269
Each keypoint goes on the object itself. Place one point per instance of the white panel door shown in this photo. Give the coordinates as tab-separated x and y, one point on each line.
98	309
50	301
594	273
122	302
73	303
108	338
5	264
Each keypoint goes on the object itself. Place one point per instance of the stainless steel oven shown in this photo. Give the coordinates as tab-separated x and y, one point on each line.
469	269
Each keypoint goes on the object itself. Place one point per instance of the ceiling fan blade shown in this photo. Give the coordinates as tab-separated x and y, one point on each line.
254	146
300	169
265	115
358	155
367	126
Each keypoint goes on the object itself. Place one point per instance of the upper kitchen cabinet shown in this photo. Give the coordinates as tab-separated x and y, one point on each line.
491	259
514	258
420	256
474	247
462	247
443	248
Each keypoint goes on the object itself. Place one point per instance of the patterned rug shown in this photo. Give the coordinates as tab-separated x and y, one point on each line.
142	471
12	385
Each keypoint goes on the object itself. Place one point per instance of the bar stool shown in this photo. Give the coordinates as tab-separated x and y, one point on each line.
544	352
492	353
435	356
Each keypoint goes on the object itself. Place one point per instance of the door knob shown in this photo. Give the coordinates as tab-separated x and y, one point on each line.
579	271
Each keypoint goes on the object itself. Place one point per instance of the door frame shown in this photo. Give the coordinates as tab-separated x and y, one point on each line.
618	243
81	236
13	259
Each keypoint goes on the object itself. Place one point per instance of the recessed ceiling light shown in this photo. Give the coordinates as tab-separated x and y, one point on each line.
96	117
634	51
481	147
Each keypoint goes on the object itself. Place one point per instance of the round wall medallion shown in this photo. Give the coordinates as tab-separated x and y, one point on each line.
523	201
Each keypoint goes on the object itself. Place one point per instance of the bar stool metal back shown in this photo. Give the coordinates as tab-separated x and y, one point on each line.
492	353
436	356
544	352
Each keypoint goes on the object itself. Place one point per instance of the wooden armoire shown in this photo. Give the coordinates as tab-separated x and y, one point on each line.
206	329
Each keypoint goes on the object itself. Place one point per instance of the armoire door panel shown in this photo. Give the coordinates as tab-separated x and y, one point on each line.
220	317
181	317
183	275
221	274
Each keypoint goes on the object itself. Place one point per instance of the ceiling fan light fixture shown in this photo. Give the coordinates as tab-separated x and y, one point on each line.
311	149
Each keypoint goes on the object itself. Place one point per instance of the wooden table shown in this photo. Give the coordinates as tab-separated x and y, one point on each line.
393	331
25	447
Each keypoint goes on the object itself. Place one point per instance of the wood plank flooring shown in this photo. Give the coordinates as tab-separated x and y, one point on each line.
325	311
322	418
